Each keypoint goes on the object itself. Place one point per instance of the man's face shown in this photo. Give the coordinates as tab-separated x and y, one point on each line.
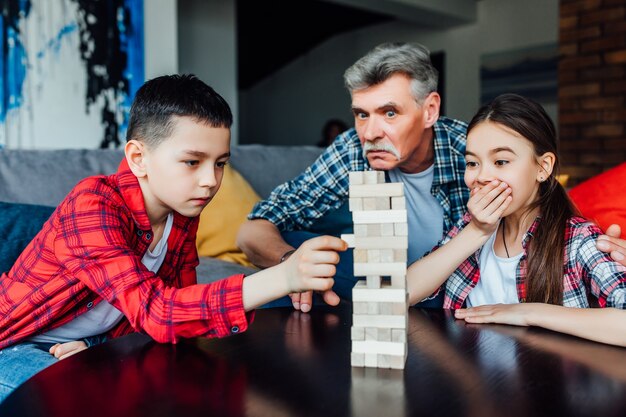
185	171
391	125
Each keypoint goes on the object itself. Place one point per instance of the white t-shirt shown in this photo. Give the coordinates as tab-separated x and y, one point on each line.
425	214
104	316
497	282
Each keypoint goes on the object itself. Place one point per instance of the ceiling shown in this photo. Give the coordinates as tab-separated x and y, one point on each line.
266	41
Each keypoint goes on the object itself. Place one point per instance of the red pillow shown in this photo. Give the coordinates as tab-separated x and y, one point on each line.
602	199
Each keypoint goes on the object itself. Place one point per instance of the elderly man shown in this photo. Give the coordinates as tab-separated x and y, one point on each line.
398	130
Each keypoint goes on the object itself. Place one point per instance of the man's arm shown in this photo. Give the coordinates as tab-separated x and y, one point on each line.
612	244
298	203
261	241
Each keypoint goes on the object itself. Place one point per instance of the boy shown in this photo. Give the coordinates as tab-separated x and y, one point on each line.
119	254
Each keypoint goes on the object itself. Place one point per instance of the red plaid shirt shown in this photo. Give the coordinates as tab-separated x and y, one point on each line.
588	272
91	249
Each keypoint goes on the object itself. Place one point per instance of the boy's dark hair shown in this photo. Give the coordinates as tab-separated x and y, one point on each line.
162	98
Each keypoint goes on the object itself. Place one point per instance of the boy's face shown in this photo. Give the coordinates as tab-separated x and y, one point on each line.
184	171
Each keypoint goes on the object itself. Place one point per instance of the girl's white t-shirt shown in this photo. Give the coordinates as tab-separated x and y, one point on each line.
497	283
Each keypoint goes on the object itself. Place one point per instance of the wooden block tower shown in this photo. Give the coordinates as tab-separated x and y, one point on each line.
380	241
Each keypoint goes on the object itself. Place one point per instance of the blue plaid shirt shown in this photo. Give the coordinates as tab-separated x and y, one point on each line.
323	186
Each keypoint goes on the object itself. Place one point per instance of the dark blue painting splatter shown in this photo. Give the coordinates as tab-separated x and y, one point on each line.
111	46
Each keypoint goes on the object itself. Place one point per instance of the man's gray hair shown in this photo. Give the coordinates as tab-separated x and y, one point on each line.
389	59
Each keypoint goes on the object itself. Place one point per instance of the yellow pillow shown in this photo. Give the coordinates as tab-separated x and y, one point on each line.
221	218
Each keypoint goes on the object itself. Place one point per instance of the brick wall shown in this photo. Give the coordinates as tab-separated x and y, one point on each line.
592	86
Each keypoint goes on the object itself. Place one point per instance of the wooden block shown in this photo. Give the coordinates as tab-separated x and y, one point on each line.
383	203
386	255
357	359
384	335
385	308
391	361
390	190
369	204
371	333
373	255
371	360
357	333
361	230
401	229
373	230
379	216
372	346
359	307
366	269
387	229
392	322
397	361
387	242
372	308
398	203
400	308
360	293
373	177
355	204
356	177
373	282
398	335
349	239
398	281
360	255
399	255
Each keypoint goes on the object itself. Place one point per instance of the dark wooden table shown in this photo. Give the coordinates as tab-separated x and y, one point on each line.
293	364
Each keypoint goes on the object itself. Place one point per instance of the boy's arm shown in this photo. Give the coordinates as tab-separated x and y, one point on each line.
606	325
309	268
486	206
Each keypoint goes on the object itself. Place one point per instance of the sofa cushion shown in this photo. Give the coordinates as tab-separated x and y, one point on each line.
211	270
221	219
265	167
19	223
602	199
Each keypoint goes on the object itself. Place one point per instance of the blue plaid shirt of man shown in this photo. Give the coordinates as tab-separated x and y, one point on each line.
322	187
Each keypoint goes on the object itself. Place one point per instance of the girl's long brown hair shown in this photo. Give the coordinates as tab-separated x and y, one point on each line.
544	278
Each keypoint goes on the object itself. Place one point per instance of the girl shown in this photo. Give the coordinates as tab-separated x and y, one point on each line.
521	241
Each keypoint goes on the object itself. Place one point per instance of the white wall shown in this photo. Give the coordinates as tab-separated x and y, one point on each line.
160	37
53	112
292	105
207	47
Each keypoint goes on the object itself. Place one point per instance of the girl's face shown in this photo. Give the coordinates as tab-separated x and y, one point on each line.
496	152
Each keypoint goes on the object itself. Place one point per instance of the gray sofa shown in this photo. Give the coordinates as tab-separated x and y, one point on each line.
44	177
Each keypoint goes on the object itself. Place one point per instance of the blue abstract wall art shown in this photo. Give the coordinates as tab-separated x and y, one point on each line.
68	71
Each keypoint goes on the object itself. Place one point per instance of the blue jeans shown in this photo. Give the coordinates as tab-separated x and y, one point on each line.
19	362
344	278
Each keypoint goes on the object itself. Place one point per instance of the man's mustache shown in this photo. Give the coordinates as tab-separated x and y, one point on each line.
380	146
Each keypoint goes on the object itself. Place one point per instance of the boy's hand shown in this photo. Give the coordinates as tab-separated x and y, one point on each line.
487	204
612	244
63	350
312	267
